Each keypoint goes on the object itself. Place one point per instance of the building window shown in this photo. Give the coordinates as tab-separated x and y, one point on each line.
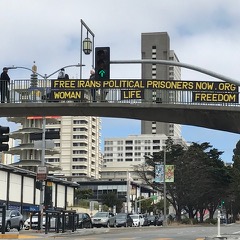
128	148
108	142
80	129
79	167
128	159
128	154
79	159
79	152
137	154
108	149
80	122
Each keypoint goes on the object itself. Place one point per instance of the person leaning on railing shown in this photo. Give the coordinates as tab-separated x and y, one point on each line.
4	85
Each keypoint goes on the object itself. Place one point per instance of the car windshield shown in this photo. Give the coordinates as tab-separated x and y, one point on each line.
134	216
151	217
101	214
80	215
122	216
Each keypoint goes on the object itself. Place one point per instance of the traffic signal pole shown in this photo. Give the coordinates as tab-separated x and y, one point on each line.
4	138
173	63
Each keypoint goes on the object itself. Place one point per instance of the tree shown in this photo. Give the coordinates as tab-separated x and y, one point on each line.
201	178
83	194
111	199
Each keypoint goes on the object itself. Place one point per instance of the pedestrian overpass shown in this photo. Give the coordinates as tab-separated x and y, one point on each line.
213	105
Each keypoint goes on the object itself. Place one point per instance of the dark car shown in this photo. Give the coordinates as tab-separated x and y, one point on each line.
152	220
123	220
159	221
84	220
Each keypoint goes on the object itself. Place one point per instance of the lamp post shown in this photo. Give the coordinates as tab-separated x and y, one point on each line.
87	46
45	77
164	188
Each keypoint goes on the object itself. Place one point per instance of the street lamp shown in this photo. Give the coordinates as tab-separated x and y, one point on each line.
87	46
45	77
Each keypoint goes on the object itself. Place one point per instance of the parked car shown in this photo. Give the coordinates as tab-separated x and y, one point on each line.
124	220
159	221
152	220
14	219
84	220
138	220
34	224
27	223
104	219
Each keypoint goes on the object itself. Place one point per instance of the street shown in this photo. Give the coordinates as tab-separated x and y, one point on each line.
142	233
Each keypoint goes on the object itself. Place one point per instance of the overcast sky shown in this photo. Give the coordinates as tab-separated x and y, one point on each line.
203	33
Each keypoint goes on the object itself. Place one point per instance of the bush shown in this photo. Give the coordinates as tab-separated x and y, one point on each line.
194	221
186	221
211	221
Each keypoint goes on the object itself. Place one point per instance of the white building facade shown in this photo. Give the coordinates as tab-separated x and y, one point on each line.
122	154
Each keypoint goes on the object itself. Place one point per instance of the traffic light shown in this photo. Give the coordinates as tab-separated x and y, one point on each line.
4	138
102	63
39	185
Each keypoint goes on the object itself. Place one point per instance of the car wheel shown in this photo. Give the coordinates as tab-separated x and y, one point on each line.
8	227
20	227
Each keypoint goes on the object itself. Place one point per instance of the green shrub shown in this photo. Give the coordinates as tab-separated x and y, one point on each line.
186	221
211	221
194	221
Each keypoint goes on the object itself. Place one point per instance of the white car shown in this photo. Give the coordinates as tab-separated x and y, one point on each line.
35	223
138	220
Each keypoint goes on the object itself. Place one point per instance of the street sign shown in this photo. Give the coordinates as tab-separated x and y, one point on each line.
41	173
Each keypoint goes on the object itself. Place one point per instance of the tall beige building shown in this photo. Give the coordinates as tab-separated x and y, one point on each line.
79	147
156	46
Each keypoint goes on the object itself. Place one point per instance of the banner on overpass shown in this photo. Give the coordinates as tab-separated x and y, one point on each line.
144	84
202	91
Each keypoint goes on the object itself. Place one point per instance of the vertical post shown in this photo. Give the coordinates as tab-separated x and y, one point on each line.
42	164
128	192
164	189
136	211
218	225
140	199
81	49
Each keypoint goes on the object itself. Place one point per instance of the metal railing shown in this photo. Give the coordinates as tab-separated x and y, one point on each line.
39	91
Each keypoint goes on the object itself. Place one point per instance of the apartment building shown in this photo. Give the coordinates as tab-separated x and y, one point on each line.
79	147
122	154
156	46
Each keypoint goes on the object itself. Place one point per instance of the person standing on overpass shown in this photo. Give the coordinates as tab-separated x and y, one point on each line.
4	85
